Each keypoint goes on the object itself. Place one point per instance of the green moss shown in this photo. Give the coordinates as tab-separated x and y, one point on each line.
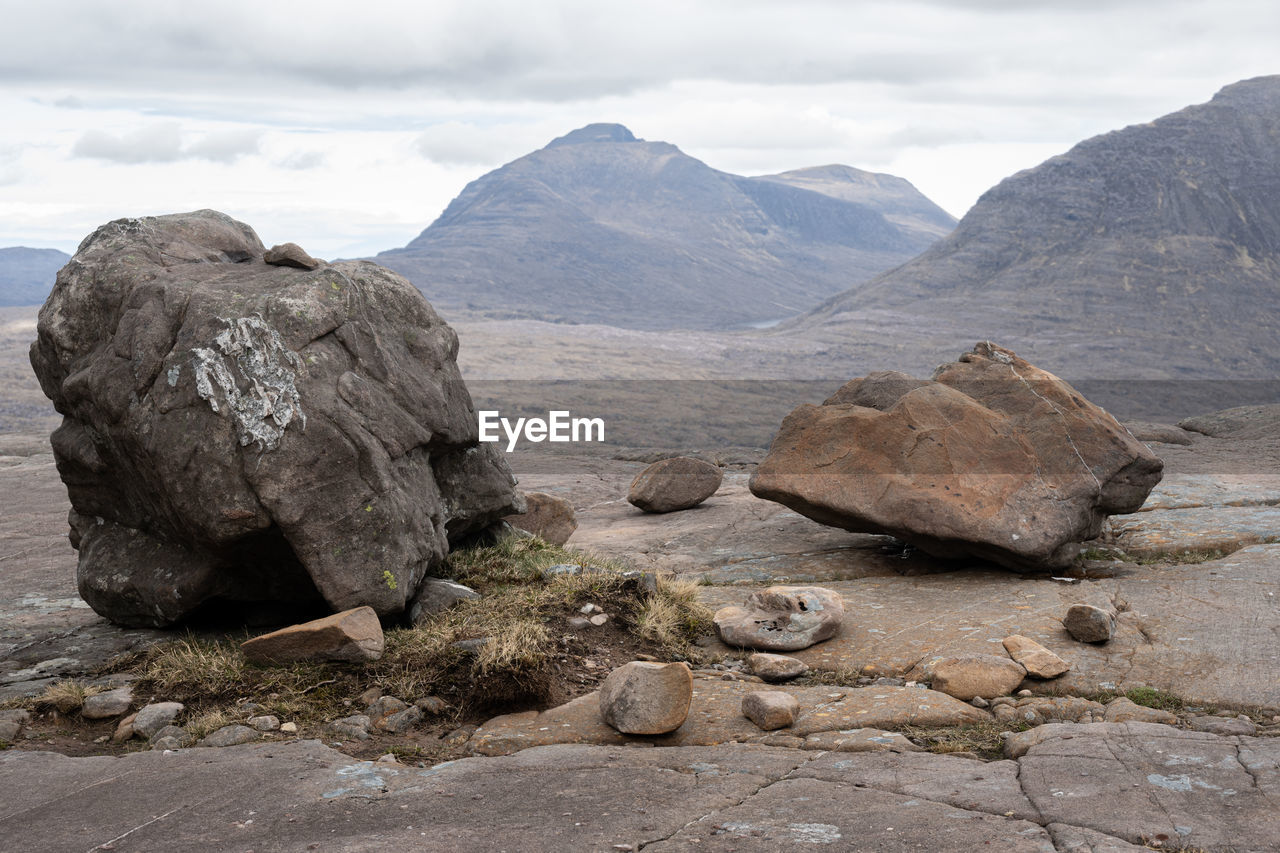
1153	698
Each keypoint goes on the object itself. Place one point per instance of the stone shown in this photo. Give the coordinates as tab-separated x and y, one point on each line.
967	676
643	698
401	721
1038	710
290	255
264	723
598	619
993	459
171	737
436	596
124	729
668	485
280	441
1240	725
352	635
9	730
229	736
1035	658
1123	710
384	706
154	717
1163	433
356	726
432	705
368	697
860	740
111	703
548	516
289	728
782	618
776	668
770	709
1089	624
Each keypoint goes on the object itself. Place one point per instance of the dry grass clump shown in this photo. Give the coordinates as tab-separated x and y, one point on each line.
65	697
518	628
985	740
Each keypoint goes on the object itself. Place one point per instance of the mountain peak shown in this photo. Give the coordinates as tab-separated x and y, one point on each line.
599	132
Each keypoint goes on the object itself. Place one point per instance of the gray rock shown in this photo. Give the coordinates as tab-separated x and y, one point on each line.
356	726
776	668
401	721
264	723
680	482
860	740
782	618
1241	725
642	698
437	595
253	433
229	736
171	737
154	717
9	730
384	706
1089	624
770	709
471	646
432	705
290	255
112	703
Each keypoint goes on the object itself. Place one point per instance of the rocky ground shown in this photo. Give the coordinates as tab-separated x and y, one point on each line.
1191	576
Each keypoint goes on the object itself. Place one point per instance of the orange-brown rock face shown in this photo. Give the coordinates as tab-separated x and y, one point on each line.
994	459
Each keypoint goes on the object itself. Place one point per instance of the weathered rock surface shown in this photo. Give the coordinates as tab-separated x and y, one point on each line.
548	516
111	703
1034	658
770	709
1163	433
1124	710
970	675
1089	624
1240	725
673	484
352	635
243	432
994	459
715	717
290	255
643	698
229	736
154	717
776	668
859	740
437	595
1111	786
782	618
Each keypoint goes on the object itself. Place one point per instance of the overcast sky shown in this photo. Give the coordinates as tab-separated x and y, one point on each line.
347	127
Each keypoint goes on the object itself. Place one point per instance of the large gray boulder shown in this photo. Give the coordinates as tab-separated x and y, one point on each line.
245	432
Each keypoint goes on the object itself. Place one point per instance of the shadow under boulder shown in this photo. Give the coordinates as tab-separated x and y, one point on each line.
238	431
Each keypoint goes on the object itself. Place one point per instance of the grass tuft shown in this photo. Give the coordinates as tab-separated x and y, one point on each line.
66	697
1153	698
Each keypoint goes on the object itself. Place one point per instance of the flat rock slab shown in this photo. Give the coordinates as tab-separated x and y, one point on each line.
1181	491
1202	631
1204	528
715	717
1114	786
47	632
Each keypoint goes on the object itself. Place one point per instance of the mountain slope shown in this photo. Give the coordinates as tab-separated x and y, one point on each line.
26	275
1158	245
602	227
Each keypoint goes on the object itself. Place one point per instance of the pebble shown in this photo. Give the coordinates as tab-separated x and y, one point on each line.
229	736
289	728
265	723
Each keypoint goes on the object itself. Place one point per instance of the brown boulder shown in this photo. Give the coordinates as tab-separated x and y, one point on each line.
547	516
776	668
782	618
290	255
1035	658
673	484
353	635
1089	624
770	709
994	459
967	676
642	698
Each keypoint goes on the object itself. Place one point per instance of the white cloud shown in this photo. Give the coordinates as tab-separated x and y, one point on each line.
163	143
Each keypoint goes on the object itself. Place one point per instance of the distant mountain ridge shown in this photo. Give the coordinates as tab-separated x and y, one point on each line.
1154	248
26	275
602	227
